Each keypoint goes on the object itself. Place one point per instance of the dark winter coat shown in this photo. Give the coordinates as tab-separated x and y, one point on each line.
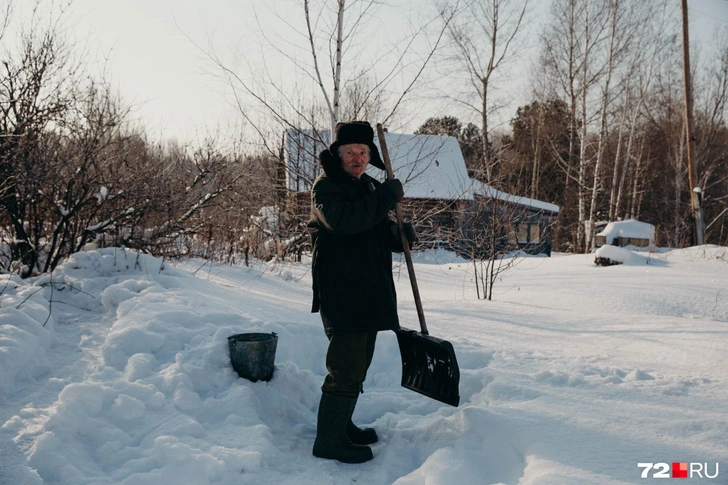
353	240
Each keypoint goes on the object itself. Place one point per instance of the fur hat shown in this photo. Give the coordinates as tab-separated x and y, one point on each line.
357	132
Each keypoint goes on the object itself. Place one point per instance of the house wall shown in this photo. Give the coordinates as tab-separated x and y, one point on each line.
512	226
469	227
434	218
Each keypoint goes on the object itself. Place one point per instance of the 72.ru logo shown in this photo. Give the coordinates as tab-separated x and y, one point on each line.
679	470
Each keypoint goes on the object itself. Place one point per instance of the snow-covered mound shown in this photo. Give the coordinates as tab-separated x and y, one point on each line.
620	255
26	333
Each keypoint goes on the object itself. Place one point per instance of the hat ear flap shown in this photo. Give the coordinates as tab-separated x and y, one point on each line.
326	158
374	157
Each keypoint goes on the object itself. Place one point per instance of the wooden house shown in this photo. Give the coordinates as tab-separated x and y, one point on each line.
449	209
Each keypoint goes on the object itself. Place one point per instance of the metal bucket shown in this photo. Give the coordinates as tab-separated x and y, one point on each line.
253	355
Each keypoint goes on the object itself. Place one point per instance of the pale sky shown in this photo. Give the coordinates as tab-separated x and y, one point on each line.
145	47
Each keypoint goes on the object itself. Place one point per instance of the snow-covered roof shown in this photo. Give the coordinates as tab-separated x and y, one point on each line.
630	229
429	166
479	188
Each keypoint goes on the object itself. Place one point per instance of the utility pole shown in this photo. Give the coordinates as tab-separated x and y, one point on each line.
695	190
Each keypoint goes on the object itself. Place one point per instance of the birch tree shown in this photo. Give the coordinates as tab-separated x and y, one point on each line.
624	26
572	59
560	62
591	70
485	35
650	46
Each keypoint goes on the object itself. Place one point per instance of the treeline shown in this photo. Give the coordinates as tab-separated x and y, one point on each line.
604	134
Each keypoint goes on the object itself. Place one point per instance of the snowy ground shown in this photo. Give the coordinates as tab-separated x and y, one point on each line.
574	374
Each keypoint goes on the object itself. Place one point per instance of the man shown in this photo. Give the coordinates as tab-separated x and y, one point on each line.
353	288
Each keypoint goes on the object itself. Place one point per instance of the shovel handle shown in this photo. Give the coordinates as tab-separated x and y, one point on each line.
405	243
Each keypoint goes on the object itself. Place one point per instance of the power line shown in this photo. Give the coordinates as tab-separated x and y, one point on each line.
711	17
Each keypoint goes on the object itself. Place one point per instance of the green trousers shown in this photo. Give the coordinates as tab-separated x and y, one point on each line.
347	361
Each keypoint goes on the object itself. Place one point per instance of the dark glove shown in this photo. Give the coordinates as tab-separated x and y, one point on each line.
396	187
409	233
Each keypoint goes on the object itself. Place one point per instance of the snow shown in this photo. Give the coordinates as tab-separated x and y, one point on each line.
620	255
628	229
479	188
429	166
573	374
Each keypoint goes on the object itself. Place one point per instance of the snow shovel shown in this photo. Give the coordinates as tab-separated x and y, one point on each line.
429	365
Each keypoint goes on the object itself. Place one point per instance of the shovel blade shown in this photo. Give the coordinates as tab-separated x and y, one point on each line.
429	366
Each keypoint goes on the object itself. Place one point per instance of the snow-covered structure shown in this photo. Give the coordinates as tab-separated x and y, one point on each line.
446	204
627	233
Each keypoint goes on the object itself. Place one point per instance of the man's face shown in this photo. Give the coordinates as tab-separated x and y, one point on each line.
354	158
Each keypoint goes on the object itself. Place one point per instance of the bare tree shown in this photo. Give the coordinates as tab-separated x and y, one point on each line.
37	83
623	106
337	63
486	35
594	23
485	236
649	47
565	44
560	63
73	169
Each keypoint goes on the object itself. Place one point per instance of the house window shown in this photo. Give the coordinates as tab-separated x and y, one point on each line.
524	233
513	233
534	233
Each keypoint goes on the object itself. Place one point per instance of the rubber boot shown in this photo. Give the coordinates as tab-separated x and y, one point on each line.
332	441
360	436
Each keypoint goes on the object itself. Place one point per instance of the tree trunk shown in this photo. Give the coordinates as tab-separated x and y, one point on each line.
615	171
581	229
626	165
485	155
634	210
337	74
679	180
602	125
537	155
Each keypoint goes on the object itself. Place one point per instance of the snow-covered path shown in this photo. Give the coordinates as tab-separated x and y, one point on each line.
572	375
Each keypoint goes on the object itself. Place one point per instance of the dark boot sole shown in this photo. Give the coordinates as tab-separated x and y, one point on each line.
358	456
363	437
